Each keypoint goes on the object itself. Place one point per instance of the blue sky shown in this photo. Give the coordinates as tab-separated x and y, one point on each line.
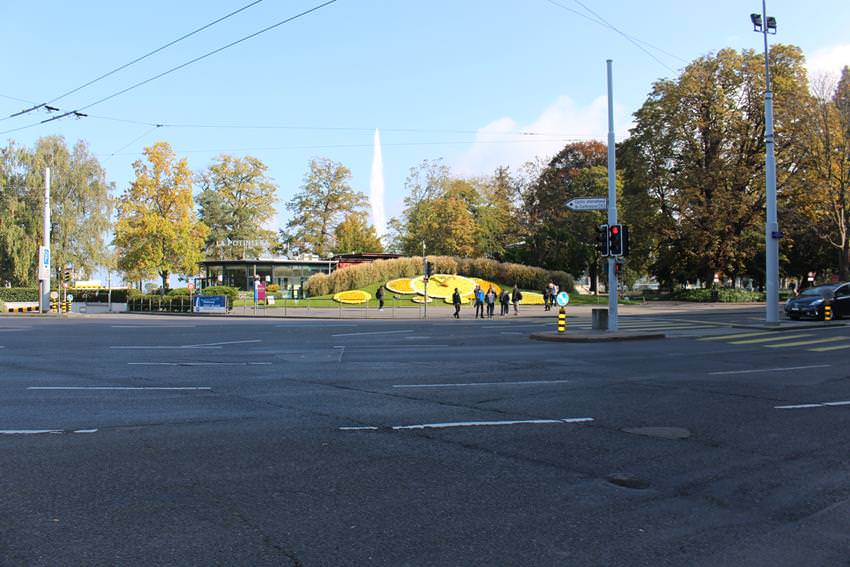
451	79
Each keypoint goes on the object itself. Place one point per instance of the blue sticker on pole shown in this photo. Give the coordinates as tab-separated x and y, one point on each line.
562	298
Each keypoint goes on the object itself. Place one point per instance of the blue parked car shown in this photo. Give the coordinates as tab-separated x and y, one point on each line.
811	302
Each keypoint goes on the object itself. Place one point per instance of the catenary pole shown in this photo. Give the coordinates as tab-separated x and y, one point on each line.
771	228
44	284
612	203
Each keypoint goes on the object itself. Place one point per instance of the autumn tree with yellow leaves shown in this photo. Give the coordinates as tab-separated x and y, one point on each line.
158	232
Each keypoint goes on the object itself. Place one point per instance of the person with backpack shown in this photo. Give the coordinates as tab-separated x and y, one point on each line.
505	302
479	302
456	303
516	297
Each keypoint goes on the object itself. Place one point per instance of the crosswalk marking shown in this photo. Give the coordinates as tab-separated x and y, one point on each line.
770	339
735	336
829	348
808	342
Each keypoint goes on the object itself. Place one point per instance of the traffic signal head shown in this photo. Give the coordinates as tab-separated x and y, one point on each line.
429	268
615	240
602	240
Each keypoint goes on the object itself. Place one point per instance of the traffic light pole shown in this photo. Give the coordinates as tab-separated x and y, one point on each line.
612	204
44	282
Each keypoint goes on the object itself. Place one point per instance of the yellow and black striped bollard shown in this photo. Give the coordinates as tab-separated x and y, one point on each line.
66	308
562	320
54	306
827	312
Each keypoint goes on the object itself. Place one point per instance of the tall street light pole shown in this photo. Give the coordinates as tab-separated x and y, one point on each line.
767	25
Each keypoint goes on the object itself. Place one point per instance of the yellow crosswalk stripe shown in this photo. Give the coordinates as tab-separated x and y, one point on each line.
735	336
775	337
828	348
810	342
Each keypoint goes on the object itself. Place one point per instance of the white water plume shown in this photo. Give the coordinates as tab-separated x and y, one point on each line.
376	188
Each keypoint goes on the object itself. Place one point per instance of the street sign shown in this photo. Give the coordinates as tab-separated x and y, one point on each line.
190	286
69	297
54	295
588	204
562	298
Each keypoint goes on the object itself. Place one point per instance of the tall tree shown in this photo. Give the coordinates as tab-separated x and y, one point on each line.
698	153
323	201
157	230
80	202
236	202
496	216
18	242
355	235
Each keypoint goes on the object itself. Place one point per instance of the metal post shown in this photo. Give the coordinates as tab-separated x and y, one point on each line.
612	202
44	284
771	227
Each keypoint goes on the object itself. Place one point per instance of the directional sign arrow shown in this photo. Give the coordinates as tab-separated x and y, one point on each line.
589	204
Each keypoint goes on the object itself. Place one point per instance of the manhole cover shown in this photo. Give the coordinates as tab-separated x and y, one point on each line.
660	432
627	481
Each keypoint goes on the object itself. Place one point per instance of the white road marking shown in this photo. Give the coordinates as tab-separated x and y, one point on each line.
461	385
372	333
770	369
453	424
163	347
119	388
415	347
199	363
41	431
224	343
417	338
153	326
821	405
318	325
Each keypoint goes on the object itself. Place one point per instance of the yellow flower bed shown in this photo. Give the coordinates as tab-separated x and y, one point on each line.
400	285
531	298
352	296
442	286
421	299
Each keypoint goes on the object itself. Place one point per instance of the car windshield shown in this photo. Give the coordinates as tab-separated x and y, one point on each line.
820	291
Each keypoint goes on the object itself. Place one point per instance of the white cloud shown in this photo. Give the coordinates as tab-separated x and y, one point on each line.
501	143
828	61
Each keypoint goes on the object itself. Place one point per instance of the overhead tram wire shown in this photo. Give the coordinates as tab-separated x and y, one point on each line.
599	20
195	60
133	62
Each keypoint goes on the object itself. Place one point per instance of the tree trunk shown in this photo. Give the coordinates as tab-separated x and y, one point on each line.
164	276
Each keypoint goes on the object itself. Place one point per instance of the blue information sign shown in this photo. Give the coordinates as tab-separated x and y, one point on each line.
210	304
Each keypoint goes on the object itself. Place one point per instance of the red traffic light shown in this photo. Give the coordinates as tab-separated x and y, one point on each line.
615	229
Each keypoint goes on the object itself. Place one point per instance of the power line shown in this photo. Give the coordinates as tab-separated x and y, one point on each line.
136	60
599	20
195	60
317	128
16	98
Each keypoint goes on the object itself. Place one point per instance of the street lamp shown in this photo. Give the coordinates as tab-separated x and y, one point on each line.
767	25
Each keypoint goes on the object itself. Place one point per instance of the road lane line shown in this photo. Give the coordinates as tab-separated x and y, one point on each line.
153	326
42	431
770	339
770	369
829	348
465	384
809	342
455	424
119	388
820	405
199	363
372	333
414	348
224	343
163	347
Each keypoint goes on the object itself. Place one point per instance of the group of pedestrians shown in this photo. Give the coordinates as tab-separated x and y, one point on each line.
485	302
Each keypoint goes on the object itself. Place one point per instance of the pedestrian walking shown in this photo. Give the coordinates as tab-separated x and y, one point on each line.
516	297
546	295
380	297
456	303
491	303
505	302
479	302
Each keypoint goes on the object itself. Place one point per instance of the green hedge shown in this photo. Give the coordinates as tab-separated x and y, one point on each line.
15	294
724	295
362	275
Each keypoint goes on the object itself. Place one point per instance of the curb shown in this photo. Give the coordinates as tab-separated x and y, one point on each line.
598	337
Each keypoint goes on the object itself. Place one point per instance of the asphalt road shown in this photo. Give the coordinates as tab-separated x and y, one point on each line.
143	440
